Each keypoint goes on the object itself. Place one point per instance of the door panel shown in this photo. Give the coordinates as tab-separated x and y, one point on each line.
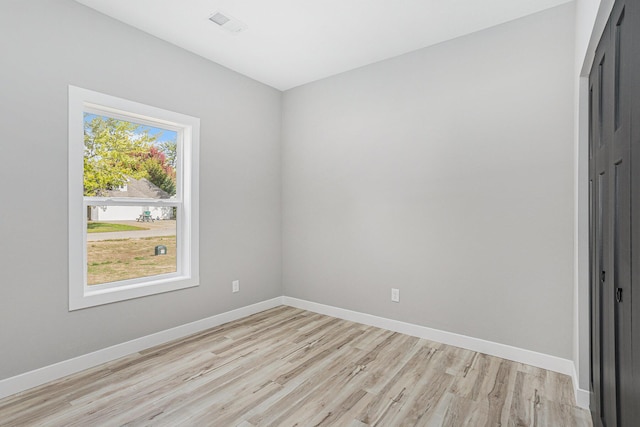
631	389
604	393
620	159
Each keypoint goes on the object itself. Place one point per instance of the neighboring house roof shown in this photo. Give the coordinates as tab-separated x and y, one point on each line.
139	188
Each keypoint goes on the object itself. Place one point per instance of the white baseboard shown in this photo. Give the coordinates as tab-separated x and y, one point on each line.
53	372
43	375
541	360
581	395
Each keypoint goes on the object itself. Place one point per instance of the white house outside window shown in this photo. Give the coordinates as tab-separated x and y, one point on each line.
133	199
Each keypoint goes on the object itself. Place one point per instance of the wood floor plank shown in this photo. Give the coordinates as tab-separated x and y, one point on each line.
290	367
418	401
465	412
396	387
303	388
346	393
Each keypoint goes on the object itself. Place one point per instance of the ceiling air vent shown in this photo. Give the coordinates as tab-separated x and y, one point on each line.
227	22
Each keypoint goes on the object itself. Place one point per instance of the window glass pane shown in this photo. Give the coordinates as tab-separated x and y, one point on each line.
120	153
129	242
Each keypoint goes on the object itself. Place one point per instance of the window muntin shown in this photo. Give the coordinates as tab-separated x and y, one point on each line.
132	176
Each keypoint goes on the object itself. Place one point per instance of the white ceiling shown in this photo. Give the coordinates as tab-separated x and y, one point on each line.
292	42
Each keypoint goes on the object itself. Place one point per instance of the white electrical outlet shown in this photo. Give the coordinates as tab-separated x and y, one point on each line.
235	286
395	295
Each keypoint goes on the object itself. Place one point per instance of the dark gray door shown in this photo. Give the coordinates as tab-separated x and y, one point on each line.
613	80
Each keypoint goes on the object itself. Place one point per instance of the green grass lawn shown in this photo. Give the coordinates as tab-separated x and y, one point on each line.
121	259
106	227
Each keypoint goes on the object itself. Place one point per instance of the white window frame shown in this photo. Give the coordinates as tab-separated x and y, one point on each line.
188	129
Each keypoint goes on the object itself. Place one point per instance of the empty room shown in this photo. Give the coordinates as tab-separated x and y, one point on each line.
306	213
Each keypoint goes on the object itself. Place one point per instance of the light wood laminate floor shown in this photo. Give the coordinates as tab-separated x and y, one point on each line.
290	367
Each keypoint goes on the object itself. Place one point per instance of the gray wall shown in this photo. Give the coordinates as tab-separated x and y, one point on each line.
448	173
47	45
